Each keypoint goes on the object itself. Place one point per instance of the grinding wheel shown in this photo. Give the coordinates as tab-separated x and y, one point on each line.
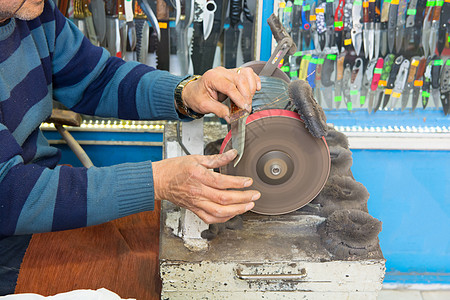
288	165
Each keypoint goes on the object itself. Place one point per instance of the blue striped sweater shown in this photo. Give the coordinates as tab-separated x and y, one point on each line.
48	58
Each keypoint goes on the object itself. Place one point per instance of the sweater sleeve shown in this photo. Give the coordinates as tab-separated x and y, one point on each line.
38	199
87	80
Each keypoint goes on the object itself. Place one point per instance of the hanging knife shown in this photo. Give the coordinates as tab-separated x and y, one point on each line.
374	86
382	83
307	6
409	25
339	77
303	71
426	84
384	28
346	80
435	26
426	29
231	34
296	23
151	17
400	82
410	81
367	80
122	28
131	27
321	26
182	37
435	81
392	24
313	22
391	81
400	29
444	27
90	29
348	24
208	17
357	26
339	25
377	30
247	44
418	82
99	18
312	72
366	31
420	12
445	87
370	25
78	15
327	78
329	18
318	79
142	34
355	83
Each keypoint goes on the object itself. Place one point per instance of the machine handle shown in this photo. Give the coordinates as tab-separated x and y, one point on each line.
292	277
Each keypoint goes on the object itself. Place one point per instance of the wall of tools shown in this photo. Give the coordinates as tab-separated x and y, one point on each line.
181	36
375	55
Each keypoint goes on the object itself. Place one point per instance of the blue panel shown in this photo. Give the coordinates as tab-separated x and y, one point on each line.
266	34
109	136
410	194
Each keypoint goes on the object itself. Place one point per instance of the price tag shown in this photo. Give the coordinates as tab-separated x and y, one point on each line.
320	10
438	62
362	100
338	24
412	12
320	61
395	2
347	42
331	56
354	92
415	63
425	94
418	82
288	9
382	83
312	18
377	71
298	53
298	2
293	74
349	106
366	4
396	95
285	68
282	5
338	99
388	91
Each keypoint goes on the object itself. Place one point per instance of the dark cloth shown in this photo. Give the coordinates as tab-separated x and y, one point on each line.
12	251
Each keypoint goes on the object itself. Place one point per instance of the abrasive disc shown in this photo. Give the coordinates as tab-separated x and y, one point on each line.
288	165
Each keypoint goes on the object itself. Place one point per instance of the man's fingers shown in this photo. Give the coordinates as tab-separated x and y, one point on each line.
217	160
209	219
220	109
229	197
222	182
224	211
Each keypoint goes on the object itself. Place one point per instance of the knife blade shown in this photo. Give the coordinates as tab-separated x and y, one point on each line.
321	25
357	26
400	29
97	8
382	83
151	17
410	81
434	31
355	83
418	82
296	23
374	86
426	84
366	30
392	24
339	24
384	27
339	78
238	118
399	83
318	78
231	34
208	17
443	27
78	15
426	28
409	24
377	28
142	34
329	19
348	25
367	80
445	87
435	81
181	30
346	79
122	28
328	78
391	81
419	20
371	29
131	27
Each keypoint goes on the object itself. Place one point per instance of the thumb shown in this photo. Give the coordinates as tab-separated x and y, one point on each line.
217	108
218	160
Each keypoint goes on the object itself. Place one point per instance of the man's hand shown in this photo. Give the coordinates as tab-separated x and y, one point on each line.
188	182
206	94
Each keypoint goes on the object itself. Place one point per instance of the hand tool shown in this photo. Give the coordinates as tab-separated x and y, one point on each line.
78	15
327	79
399	83
208	17
321	26
377	30
445	87
367	80
400	29
98	14
181	30
434	32
90	29
296	22
355	83
367	29
163	46
348	25
418	82
392	24
382	83
339	25
391	81
307	7
339	77
410	81
357	26
384	28
346	79
131	27
419	20
329	20
122	28
304	65
312	72
426	84
142	34
409	25
248	25
435	81
374	86
231	34
426	29
151	17
444	27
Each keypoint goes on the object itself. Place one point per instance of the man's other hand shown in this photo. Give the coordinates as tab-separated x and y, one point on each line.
187	181
206	94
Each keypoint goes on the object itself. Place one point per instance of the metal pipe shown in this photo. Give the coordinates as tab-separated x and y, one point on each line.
74	146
